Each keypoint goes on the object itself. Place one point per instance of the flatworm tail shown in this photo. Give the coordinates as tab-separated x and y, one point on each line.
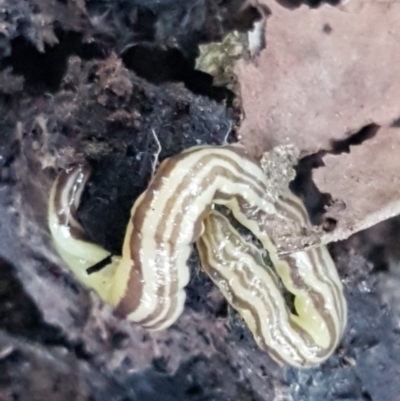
69	236
252	288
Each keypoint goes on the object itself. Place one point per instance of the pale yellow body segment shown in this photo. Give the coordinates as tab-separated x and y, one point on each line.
69	236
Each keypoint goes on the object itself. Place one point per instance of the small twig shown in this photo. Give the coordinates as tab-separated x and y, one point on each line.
99	265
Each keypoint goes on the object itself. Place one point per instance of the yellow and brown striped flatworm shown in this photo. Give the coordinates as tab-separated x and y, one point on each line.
147	283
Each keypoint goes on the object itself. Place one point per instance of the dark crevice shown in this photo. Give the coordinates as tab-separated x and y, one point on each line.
79	349
380	244
292	4
9	149
377	255
151	58
367	396
19	314
169	65
343	145
244	16
43	72
303	185
159	65
140	45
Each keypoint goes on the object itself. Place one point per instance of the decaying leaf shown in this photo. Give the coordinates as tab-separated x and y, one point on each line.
324	74
364	184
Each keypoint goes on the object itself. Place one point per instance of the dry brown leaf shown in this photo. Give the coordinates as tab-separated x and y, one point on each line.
365	181
325	73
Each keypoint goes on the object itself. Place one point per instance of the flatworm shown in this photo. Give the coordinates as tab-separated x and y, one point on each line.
147	283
